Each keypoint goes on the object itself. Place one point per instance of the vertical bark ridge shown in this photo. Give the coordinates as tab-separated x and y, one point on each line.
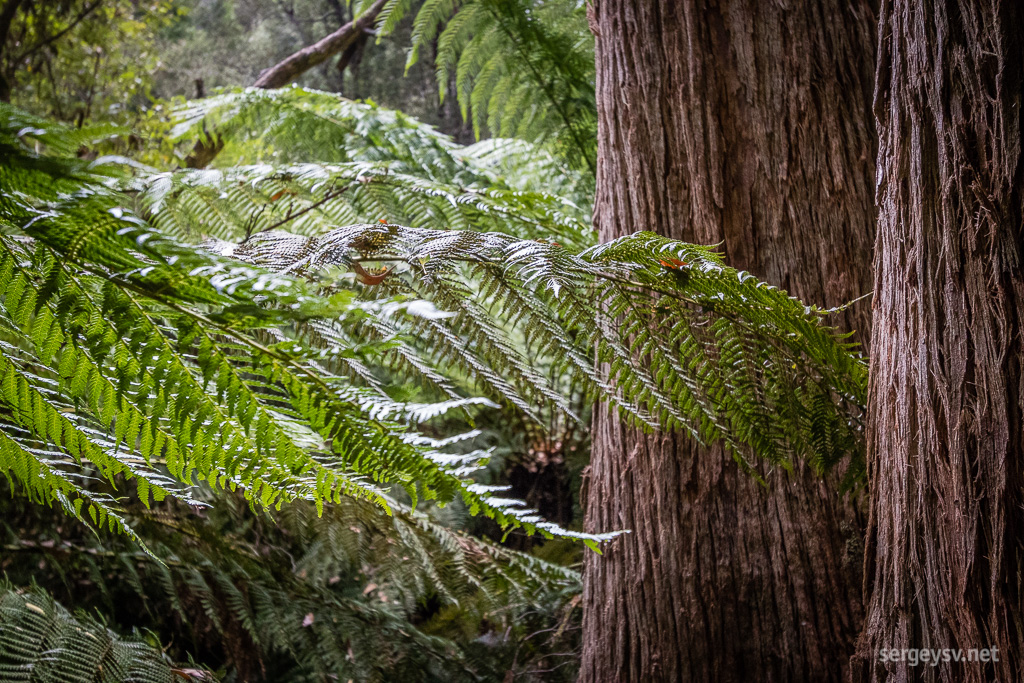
748	124
945	433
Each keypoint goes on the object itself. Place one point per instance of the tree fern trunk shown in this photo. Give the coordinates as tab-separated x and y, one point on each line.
748	125
945	426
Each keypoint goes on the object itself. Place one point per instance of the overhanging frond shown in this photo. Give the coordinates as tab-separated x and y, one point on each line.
521	68
683	340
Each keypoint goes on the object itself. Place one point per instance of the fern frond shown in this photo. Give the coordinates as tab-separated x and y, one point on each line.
233	204
312	595
41	641
370	163
521	68
685	341
186	360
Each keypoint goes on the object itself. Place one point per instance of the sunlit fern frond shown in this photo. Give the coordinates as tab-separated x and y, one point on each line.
682	340
137	359
293	150
302	125
668	343
531	168
232	204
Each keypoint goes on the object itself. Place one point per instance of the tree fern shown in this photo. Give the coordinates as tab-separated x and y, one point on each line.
221	365
685	341
158	347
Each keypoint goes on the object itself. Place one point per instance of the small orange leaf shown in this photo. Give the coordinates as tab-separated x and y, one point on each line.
672	263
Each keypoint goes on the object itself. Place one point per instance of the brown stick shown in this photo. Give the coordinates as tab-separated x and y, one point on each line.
286	71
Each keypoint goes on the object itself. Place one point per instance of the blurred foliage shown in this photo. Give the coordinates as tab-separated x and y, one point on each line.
230	43
80	60
83	60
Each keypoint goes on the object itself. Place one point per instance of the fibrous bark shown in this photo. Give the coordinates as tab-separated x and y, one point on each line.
945	435
747	124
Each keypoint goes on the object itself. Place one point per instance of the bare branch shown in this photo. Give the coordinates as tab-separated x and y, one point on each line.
289	69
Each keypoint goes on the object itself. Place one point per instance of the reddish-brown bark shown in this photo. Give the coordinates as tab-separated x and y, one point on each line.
945	432
747	124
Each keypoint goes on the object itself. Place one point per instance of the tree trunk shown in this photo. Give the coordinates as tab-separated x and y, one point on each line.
7	13
749	125
945	548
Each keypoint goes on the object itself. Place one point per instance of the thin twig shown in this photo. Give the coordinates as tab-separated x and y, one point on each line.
57	36
292	216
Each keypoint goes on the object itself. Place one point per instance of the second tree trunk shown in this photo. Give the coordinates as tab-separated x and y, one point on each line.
747	125
946	405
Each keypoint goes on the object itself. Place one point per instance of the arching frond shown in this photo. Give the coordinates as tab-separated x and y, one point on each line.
522	68
302	125
339	162
309	198
132	357
146	360
684	341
